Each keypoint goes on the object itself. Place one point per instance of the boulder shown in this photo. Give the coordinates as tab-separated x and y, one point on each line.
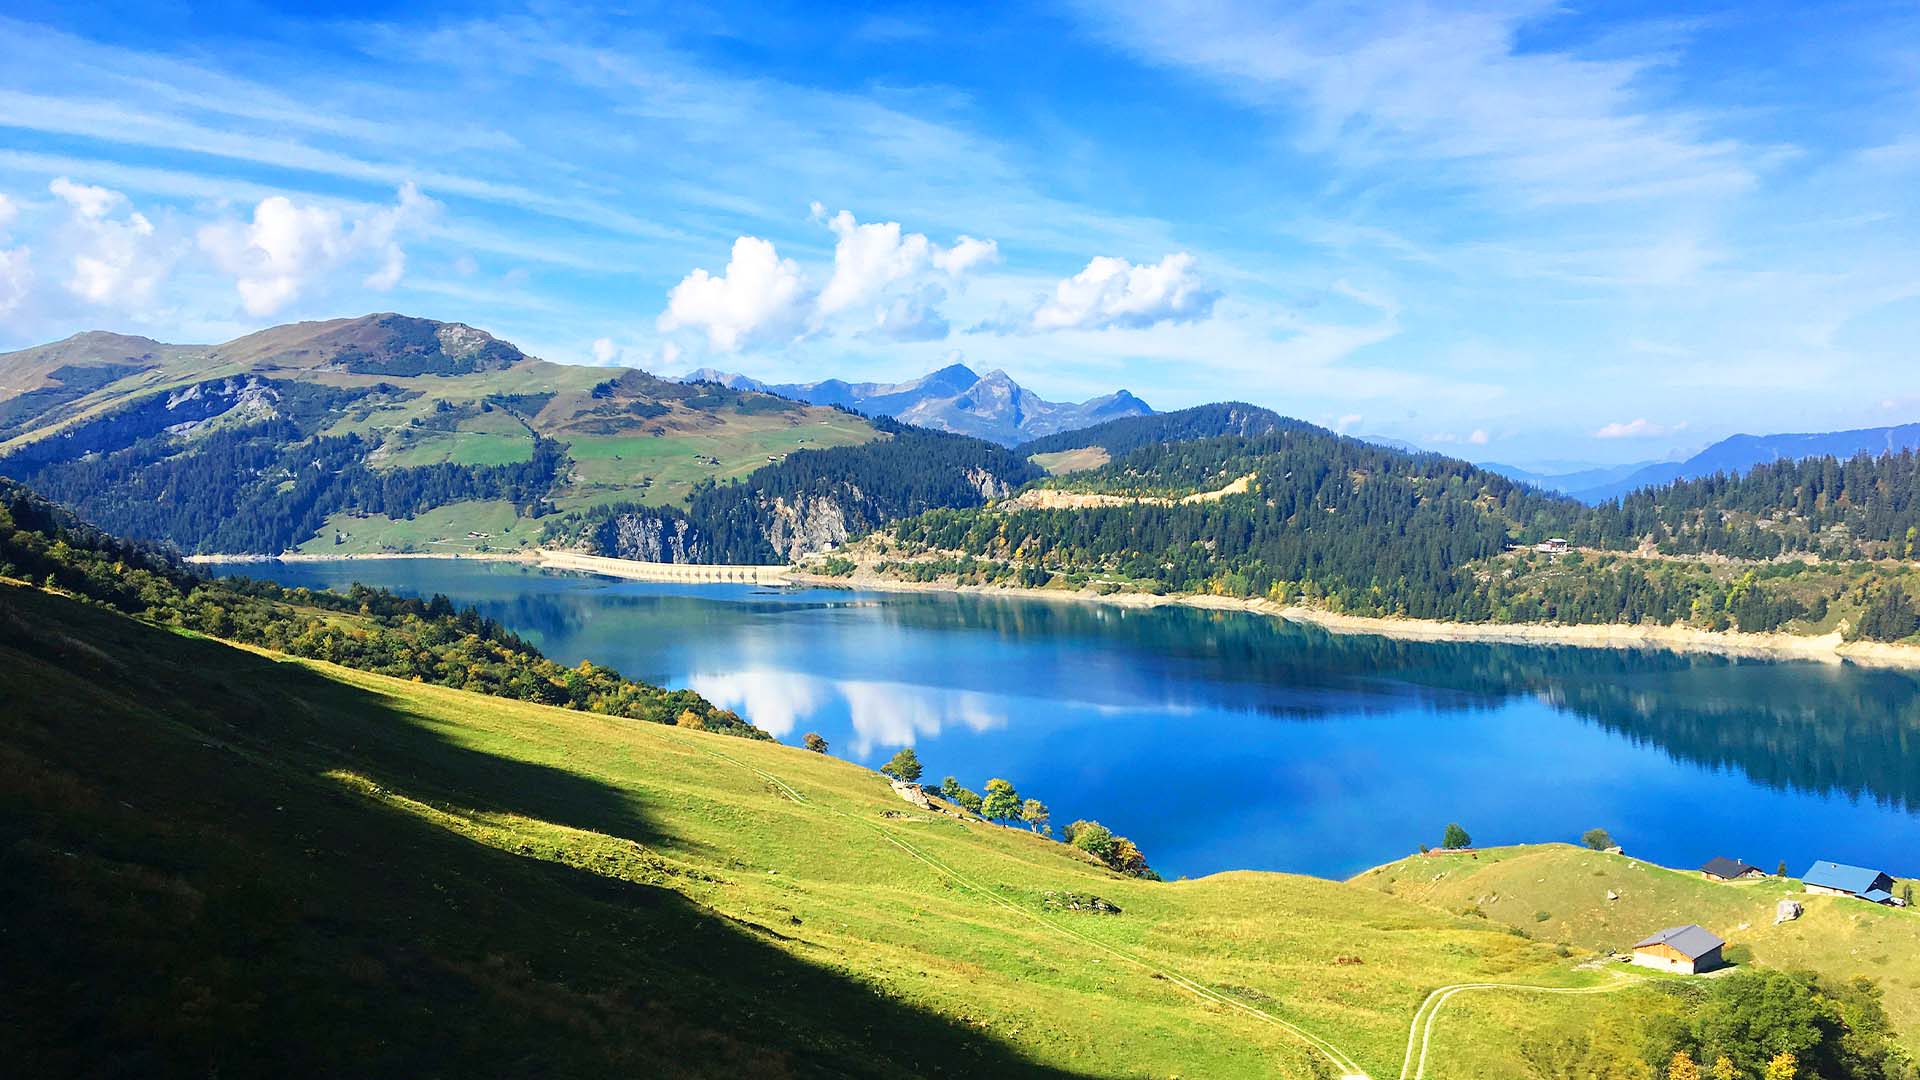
1787	911
911	793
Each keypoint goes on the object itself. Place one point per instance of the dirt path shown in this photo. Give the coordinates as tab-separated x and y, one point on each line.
1410	1069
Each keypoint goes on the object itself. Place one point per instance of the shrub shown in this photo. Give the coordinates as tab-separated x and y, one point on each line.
813	741
1597	839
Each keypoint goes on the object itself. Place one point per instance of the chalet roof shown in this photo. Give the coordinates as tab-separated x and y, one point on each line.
1691	941
1721	866
1878	896
1833	875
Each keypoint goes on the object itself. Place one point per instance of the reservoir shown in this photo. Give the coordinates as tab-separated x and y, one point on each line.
1227	740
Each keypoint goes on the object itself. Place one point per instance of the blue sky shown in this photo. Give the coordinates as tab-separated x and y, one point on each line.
1514	231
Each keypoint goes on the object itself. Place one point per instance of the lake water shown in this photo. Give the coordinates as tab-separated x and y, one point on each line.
1220	740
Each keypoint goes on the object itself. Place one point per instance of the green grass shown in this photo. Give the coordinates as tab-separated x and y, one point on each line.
1836	936
676	462
224	861
1066	461
444	528
461	448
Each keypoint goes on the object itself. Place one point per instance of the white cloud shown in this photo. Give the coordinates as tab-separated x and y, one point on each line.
88	201
1347	423
1384	83
8	211
1479	437
1112	292
966	254
114	260
288	248
759	292
1641	428
16	275
868	258
913	316
605	352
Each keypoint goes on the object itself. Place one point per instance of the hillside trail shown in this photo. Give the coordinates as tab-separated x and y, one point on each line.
1349	1069
1430	1009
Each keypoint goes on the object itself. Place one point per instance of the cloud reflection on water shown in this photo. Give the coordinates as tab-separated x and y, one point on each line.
881	714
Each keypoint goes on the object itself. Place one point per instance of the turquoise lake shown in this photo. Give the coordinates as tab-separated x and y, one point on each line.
1221	740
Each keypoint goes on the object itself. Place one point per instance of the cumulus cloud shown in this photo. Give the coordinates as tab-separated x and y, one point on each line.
868	258
8	211
605	351
758	293
1478	437
966	254
886	284
1114	293
115	255
1347	423
287	248
1641	428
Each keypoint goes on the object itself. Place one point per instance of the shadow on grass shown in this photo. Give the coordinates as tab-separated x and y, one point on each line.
184	893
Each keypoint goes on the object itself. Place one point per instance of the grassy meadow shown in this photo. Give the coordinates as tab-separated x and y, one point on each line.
243	863
1569	886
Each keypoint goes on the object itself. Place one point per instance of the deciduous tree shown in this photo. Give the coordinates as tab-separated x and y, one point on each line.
904	765
1001	802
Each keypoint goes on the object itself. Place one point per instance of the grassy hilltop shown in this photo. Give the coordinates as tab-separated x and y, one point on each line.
219	859
1559	892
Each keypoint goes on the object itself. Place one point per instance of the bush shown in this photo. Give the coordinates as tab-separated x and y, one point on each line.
813	741
1597	839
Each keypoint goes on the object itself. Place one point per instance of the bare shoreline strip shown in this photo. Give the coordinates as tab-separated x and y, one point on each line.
1828	648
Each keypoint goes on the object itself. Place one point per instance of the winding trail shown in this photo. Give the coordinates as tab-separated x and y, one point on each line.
1430	1009
1419	1031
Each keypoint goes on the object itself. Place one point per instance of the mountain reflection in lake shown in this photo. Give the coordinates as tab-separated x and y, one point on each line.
1220	739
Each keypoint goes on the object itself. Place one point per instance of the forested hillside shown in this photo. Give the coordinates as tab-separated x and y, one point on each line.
1335	523
369	629
810	501
1127	434
340	436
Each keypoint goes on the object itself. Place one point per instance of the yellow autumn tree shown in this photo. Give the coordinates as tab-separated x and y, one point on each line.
1724	1069
1682	1067
1783	1066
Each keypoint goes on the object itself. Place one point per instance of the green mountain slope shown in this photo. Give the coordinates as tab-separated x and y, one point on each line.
1301	516
437	414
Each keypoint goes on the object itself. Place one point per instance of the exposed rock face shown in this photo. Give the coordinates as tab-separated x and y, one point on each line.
810	523
990	486
178	411
911	793
651	537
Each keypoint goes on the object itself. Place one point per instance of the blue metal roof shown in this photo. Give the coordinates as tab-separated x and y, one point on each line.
1878	896
1833	875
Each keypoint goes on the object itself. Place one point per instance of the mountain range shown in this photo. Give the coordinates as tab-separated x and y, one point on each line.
955	399
1733	455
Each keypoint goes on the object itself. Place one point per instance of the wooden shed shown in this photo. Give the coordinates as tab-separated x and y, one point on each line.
1689	950
1722	868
